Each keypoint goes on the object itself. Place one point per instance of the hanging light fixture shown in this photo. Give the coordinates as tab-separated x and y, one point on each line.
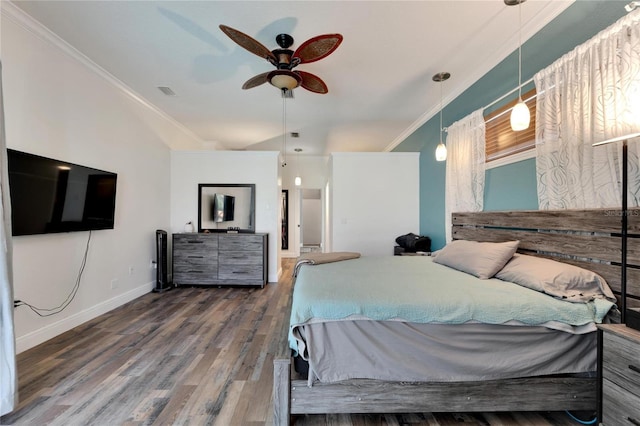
298	180
520	115
441	149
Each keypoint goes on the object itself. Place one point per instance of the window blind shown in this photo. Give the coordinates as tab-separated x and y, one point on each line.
501	141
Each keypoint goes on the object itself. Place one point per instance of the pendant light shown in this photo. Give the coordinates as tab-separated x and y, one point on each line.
298	180
520	115
441	149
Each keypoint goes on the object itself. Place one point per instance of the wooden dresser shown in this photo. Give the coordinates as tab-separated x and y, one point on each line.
220	259
620	375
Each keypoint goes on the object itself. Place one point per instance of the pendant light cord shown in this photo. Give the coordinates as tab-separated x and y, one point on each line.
441	112
520	51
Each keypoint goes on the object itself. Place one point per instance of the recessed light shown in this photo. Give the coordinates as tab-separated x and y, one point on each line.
166	90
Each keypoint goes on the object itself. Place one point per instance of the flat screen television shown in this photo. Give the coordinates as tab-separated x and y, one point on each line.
49	196
222	208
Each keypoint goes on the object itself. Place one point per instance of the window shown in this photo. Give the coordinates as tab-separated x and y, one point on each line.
501	141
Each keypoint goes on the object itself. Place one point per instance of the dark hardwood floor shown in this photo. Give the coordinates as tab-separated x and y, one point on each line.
190	356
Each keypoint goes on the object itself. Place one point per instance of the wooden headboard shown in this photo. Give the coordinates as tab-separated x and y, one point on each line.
586	238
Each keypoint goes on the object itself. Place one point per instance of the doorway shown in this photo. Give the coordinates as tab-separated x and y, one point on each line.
311	221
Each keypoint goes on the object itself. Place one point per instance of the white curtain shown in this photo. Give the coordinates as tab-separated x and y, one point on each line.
589	95
464	188
8	376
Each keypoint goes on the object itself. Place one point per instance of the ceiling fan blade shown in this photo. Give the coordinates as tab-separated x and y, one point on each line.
312	82
249	43
317	48
256	81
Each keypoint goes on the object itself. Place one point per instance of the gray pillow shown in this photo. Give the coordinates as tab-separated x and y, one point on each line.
556	279
481	259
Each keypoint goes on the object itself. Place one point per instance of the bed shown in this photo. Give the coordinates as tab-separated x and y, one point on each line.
415	364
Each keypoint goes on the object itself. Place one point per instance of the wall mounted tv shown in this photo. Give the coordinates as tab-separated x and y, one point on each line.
49	196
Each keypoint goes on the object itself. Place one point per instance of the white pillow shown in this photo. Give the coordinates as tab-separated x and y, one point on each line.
482	259
557	279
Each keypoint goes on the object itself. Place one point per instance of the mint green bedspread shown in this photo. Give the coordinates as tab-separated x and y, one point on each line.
415	289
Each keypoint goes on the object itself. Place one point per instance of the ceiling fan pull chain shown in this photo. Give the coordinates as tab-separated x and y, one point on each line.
284	129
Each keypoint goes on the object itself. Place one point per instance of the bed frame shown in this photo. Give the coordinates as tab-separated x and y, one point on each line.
586	238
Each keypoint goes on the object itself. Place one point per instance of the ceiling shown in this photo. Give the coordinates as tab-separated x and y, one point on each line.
379	79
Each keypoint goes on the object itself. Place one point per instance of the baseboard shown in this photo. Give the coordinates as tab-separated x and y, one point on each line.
287	254
50	331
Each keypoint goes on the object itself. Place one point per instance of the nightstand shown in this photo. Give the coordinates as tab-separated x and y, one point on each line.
620	366
399	251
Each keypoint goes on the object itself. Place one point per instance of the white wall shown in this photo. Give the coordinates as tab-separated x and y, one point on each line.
189	169
58	104
374	199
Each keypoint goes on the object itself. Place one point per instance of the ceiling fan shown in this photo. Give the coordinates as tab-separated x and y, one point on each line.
285	60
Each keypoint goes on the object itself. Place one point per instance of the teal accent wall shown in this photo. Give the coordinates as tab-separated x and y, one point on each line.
511	187
501	181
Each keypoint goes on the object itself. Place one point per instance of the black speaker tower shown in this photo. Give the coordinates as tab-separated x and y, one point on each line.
162	280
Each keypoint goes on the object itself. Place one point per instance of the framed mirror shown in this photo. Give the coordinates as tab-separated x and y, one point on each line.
225	207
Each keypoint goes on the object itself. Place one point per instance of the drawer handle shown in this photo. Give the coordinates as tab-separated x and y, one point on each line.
633	421
196	257
195	242
634	368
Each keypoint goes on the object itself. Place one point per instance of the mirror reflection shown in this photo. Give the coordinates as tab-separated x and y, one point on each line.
223	207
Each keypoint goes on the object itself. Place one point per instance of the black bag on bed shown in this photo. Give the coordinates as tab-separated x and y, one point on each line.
412	242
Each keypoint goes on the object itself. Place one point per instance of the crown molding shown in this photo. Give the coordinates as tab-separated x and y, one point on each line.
16	15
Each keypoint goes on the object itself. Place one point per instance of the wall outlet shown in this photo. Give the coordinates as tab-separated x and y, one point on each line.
153	264
130	270
114	284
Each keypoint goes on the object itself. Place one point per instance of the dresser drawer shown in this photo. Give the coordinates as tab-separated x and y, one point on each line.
621	362
619	406
187	258
241	242
240	258
200	265
194	277
195	242
240	273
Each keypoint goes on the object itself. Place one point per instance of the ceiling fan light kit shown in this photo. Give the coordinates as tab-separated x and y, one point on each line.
284	80
284	59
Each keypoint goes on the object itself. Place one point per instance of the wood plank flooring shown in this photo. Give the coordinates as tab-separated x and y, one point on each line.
190	356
